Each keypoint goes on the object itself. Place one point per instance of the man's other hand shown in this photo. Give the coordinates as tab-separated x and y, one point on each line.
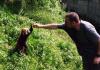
97	60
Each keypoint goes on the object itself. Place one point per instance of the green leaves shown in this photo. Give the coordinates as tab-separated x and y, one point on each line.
47	49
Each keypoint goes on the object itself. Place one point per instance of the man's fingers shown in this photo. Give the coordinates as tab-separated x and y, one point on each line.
35	25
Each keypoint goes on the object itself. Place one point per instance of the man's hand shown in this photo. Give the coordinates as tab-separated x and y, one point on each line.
96	60
35	25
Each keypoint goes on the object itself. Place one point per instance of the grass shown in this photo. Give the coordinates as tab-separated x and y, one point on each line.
47	49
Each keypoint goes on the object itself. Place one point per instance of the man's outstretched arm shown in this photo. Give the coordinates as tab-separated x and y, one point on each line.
47	26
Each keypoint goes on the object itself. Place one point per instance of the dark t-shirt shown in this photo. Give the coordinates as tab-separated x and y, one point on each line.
86	39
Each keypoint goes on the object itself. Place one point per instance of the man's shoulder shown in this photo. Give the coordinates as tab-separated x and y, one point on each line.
87	24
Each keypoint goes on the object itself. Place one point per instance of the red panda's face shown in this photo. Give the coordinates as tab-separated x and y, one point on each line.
25	31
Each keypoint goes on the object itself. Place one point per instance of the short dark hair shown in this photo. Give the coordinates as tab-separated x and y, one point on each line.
72	16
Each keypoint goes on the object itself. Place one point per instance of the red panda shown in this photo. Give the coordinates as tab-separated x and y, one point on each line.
21	46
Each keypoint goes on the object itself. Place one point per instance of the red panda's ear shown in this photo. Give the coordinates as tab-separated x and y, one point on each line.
23	31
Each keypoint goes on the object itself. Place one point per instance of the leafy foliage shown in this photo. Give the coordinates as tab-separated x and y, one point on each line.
47	49
36	9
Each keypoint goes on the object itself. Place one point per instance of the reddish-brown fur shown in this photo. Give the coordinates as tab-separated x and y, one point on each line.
21	46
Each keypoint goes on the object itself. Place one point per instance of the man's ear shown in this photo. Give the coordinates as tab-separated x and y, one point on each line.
74	22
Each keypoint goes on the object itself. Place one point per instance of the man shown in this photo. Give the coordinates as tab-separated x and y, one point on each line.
85	37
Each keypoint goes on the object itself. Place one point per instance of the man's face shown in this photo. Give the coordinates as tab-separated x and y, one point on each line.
69	23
